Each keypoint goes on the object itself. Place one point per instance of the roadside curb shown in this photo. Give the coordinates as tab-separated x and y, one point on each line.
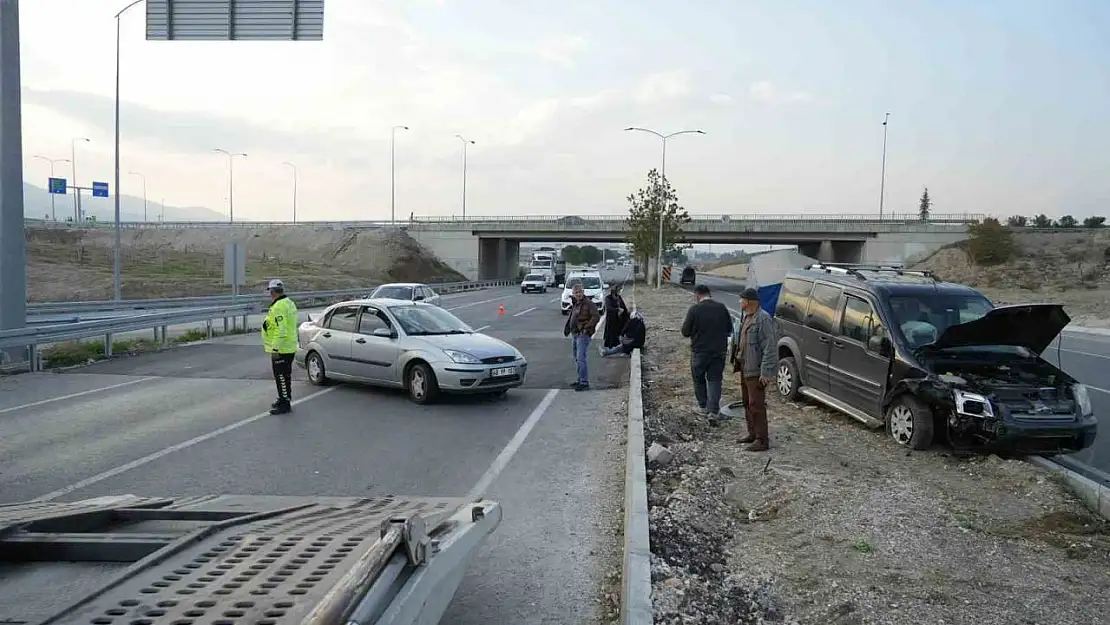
1087	330
636	607
1094	495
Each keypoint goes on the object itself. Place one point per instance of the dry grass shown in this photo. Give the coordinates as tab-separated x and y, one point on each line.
839	525
77	264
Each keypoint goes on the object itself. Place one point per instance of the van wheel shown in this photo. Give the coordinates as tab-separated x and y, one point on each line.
314	365
788	382
421	384
910	423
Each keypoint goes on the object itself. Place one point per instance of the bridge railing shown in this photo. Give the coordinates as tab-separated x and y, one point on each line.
562	220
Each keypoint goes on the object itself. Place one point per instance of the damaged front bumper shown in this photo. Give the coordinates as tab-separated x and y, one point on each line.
995	426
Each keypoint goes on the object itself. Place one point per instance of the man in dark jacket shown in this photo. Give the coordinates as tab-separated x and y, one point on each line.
755	360
580	326
708	325
632	337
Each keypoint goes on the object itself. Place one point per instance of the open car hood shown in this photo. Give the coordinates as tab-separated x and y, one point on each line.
1032	326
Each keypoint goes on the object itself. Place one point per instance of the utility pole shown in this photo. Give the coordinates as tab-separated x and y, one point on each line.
882	177
465	142
230	181
13	244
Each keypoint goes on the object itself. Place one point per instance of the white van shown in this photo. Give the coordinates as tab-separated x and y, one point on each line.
592	285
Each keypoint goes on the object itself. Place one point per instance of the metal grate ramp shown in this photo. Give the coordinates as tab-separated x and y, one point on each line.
274	570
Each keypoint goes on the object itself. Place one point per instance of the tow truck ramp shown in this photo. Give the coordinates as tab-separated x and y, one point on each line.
237	559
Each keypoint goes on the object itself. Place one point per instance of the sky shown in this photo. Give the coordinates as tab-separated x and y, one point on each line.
997	106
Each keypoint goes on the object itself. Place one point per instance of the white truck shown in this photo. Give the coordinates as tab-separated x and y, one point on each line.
237	560
544	263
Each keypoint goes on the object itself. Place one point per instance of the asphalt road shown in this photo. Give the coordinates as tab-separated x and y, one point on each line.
1081	355
192	421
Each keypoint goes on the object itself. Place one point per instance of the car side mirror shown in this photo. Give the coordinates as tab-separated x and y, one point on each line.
880	344
562	286
385	333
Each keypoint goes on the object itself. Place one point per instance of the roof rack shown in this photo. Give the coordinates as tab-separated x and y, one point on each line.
855	269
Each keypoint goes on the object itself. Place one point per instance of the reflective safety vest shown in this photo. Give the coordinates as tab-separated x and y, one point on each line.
279	330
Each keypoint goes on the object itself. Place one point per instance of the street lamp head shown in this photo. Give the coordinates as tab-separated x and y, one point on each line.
700	132
631	128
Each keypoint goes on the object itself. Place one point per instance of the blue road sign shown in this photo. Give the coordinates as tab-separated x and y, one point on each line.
100	189
57	185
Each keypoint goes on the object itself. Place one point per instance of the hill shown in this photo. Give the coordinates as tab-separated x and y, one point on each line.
36	204
1068	267
76	264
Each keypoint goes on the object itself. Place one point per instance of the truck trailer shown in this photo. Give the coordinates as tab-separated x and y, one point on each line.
237	559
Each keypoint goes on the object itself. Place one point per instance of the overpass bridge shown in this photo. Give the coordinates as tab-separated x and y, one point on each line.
487	247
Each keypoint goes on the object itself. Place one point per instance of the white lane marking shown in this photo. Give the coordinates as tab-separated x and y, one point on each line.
524	312
134	464
73	395
485	301
1076	351
502	459
481	328
554	299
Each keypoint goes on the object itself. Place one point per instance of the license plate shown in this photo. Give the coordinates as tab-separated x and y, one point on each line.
501	372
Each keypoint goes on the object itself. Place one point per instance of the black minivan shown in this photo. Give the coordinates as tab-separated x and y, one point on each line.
689	276
929	360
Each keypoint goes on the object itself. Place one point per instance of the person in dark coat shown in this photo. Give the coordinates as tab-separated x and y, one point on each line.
632	338
616	315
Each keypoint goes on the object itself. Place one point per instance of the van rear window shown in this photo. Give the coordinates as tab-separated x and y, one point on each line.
793	299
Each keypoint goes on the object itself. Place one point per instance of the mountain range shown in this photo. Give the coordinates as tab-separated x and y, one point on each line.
36	204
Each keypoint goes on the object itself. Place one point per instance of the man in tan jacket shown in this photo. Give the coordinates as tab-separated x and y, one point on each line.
580	326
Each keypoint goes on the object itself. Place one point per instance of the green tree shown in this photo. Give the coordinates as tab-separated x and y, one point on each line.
1094	221
925	205
572	254
1042	221
1067	221
989	242
655	202
590	255
1016	221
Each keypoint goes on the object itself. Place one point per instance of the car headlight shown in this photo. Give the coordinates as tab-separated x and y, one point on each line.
462	357
1082	400
972	404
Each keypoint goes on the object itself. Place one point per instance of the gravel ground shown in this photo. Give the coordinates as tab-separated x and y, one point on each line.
838	525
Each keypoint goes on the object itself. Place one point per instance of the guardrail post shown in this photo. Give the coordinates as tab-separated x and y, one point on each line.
165	335
245	325
208	328
225	325
108	344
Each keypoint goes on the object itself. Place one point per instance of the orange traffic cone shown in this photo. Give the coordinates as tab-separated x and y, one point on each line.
500	310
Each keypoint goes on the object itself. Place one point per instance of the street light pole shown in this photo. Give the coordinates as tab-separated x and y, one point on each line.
465	142
882	177
135	173
116	243
662	186
73	166
294	189
230	181
53	212
393	174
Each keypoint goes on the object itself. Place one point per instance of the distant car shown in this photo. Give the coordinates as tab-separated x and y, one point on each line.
421	348
534	283
407	291
592	286
689	276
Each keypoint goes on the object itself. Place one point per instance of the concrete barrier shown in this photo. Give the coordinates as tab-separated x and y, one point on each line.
636	607
1094	495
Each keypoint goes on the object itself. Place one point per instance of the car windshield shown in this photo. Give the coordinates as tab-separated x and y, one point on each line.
541	264
533	277
428	320
587	282
922	319
393	292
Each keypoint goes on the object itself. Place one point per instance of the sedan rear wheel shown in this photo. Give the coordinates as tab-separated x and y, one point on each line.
421	383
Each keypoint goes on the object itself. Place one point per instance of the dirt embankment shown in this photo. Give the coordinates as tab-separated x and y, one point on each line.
66	264
1071	268
837	525
737	271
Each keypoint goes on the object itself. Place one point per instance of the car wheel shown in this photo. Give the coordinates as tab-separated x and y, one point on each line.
421	384
317	374
788	381
910	423
522	290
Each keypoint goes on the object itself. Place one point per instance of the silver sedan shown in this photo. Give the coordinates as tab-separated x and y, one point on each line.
407	291
402	344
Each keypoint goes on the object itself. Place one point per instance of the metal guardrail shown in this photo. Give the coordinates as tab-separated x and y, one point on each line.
301	297
171	312
566	220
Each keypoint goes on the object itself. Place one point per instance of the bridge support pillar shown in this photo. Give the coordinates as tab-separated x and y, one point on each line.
497	258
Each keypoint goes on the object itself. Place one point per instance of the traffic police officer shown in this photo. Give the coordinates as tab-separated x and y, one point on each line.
279	339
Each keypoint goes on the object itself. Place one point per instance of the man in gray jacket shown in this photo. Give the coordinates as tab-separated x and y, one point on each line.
755	359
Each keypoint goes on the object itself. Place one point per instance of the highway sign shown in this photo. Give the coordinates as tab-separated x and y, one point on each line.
100	189
227	20
235	264
57	185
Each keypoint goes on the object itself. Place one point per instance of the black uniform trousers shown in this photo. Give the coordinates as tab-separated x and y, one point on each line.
283	376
